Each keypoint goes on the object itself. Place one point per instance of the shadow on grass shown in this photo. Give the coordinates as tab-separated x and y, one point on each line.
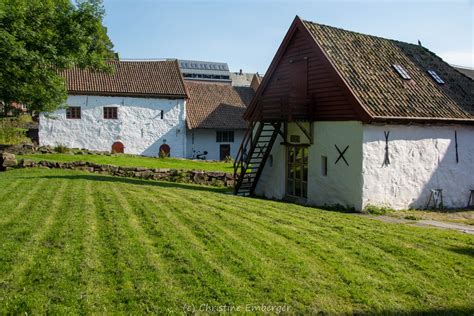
468	310
162	184
464	251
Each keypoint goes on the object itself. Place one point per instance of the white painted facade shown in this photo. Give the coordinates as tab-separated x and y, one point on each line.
200	140
422	158
139	125
342	184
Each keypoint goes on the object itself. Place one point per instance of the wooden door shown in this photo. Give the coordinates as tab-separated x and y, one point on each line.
224	151
118	148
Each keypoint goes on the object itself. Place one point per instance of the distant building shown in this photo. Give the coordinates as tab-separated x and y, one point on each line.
214	118
205	71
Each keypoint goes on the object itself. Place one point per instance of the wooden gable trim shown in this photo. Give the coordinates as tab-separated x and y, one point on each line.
298	24
248	115
357	105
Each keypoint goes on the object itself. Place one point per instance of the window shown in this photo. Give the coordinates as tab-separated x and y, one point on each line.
73	112
294	138
225	137
436	77
402	72
110	113
324	166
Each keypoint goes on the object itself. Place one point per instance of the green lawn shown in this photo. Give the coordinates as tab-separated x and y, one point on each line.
137	161
75	242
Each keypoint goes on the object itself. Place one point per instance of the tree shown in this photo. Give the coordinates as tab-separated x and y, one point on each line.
41	38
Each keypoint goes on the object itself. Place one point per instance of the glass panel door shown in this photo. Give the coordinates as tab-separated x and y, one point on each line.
297	171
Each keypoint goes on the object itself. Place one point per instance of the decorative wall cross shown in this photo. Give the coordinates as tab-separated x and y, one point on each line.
341	155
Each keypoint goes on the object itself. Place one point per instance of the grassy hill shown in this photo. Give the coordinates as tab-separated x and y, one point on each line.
74	242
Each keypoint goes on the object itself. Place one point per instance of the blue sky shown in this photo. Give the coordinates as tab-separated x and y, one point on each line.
246	34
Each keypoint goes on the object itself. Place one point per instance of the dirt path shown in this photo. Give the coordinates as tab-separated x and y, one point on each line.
469	229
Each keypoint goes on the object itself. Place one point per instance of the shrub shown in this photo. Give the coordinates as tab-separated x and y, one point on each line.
61	149
378	210
228	159
163	154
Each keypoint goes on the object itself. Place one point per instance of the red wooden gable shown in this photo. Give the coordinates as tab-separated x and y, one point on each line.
302	84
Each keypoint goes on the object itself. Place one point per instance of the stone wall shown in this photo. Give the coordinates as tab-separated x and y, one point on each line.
8	161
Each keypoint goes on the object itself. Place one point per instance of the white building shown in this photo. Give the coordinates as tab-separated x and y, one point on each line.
357	120
138	109
215	121
145	107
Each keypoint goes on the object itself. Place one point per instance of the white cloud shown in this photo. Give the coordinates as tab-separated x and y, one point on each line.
458	57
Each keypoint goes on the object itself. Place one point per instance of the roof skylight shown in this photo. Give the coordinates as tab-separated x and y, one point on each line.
401	71
436	77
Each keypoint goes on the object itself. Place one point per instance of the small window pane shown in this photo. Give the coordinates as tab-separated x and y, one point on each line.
290	187
110	113
73	112
324	166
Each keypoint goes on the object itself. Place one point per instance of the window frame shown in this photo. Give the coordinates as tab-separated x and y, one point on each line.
225	137
110	115
73	113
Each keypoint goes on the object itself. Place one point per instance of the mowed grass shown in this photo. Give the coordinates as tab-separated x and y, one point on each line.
137	161
74	242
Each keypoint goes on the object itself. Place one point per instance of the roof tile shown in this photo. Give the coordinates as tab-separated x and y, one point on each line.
129	78
217	106
366	64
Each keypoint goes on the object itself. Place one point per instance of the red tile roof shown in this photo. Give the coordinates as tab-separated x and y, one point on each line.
129	78
216	106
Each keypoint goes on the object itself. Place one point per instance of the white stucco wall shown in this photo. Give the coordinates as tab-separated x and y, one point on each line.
205	140
342	185
139	126
421	158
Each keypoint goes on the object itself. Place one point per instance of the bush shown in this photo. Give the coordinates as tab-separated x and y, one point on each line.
378	210
61	149
228	159
163	154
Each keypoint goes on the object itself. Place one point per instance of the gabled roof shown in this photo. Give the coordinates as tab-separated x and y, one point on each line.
216	106
366	64
129	78
363	64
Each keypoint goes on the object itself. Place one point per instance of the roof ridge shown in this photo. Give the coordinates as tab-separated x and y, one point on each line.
359	33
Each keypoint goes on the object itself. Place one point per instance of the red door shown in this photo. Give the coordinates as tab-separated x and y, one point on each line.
117	148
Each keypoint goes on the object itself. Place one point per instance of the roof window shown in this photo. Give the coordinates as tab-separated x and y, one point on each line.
401	71
435	76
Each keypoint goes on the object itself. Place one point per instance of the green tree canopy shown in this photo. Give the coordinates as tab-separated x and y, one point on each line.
39	38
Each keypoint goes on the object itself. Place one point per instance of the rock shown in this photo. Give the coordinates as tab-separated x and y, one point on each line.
28	163
8	160
199	177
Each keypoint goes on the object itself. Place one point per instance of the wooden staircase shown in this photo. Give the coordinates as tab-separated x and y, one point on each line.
253	154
